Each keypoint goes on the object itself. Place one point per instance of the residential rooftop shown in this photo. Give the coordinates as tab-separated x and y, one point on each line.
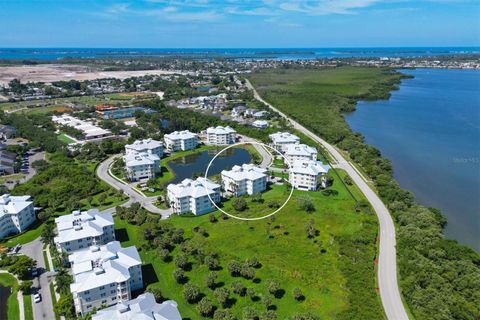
81	224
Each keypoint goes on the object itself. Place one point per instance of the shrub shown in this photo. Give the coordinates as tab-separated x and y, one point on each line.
273	286
181	261
191	293
234	267
224	315
305	203
274	204
298	295
210	281
222	295
239	204
179	276
238	288
205	307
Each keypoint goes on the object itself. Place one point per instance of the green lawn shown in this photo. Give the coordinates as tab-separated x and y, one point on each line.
32	233
27	302
64	138
334	270
13	311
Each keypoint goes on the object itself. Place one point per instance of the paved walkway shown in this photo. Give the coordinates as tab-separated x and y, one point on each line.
103	172
21	305
387	262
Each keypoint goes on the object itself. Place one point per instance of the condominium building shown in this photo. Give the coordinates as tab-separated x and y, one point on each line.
104	275
82	229
308	175
221	135
244	179
149	146
181	140
141	166
192	196
281	140
261	124
294	152
144	307
16	214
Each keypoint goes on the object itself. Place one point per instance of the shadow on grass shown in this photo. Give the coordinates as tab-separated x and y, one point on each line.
149	275
121	235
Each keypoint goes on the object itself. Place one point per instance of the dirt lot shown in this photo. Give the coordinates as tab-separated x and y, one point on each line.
57	72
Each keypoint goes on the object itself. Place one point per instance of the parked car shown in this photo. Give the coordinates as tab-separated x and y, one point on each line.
37	297
34	272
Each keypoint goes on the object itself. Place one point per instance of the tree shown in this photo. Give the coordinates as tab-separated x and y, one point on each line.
65	307
304	316
249	313
210	281
157	293
25	286
274	204
267	301
269	315
211	262
310	229
222	295
48	233
253	262
212	218
234	267
21	266
305	203
205	307
247	272
251	293
179	276
102	198
163	254
191	293
239	204
181	261
224	315
238	288
273	286
298	295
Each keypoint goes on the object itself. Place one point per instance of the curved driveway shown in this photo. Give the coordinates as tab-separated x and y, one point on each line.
145	202
387	263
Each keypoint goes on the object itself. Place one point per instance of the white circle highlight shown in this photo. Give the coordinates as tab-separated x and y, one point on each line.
240	144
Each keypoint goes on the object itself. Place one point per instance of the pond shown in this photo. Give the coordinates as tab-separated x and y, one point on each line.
4	294
196	163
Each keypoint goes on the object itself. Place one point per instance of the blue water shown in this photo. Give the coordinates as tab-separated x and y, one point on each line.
242	53
430	130
197	163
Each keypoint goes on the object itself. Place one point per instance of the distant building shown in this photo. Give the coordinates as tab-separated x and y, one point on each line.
181	140
142	159
111	112
7	162
104	275
261	124
192	196
308	175
281	140
260	114
16	214
221	135
89	130
245	179
294	152
7	131
144	307
82	229
238	111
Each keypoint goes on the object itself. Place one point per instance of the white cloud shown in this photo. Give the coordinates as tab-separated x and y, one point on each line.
324	7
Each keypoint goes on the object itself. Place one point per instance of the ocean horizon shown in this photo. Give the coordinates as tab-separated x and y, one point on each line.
234	53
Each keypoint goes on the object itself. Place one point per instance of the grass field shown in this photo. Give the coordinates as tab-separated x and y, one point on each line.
64	138
13	310
27	302
331	269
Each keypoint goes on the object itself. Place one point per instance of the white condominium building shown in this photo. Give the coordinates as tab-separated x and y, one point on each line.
281	140
144	307
181	140
192	196
294	152
81	230
308	175
16	214
245	179
104	275
141	166
149	146
221	135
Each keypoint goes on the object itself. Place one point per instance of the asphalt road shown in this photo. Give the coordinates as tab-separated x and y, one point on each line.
145	202
267	157
387	263
44	309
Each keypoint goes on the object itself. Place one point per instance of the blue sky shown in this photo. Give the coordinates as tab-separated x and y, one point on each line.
239	23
